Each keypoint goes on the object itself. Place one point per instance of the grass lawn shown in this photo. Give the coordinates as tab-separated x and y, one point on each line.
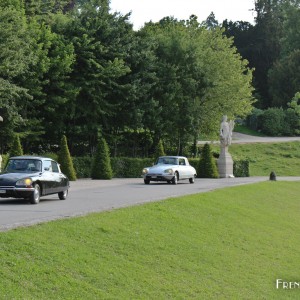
227	244
283	158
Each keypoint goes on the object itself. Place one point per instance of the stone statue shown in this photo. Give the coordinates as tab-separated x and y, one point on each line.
226	132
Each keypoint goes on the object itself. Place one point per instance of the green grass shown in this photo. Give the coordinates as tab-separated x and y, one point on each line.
245	130
282	158
227	244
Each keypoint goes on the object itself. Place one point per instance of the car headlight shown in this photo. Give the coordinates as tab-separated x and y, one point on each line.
145	171
169	171
24	182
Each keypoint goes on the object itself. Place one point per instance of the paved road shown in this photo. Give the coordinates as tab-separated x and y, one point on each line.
88	196
240	138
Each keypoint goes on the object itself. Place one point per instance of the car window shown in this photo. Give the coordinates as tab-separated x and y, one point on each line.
54	167
182	162
47	165
23	165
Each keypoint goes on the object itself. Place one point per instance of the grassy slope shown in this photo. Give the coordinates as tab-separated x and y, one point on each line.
283	158
227	244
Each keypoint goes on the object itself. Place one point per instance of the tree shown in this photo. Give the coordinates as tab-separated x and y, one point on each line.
284	77
65	160
16	148
15	58
101	166
101	41
207	167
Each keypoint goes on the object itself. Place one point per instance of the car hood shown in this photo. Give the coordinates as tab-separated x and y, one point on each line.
161	168
8	179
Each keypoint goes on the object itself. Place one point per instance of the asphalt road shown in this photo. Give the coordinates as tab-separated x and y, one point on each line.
87	196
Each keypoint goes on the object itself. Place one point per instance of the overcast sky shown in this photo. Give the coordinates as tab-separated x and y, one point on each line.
146	10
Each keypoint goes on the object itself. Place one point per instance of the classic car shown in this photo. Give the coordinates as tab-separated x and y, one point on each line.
31	177
170	169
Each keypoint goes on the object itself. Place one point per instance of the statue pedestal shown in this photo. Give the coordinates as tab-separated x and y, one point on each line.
225	164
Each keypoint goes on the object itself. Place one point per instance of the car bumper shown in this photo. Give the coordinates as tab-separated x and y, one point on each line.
158	177
15	192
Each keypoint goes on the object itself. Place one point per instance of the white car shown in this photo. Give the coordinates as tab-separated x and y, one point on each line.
170	169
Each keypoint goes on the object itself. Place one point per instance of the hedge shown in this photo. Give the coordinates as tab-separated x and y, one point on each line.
125	167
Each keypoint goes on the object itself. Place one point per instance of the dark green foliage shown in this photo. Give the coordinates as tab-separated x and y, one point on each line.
253	119
241	168
16	148
127	167
101	166
65	160
124	167
83	166
207	167
272	121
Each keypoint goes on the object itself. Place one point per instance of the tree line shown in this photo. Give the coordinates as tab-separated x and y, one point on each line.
74	68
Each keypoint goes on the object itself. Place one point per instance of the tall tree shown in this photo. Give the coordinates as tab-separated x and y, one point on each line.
100	44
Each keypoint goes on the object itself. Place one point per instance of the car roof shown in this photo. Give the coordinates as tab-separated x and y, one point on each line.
31	157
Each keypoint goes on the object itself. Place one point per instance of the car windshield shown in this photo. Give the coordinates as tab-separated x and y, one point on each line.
167	161
23	166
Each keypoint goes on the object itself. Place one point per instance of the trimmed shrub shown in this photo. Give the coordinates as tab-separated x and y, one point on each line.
65	160
101	166
125	167
83	166
159	150
241	168
16	148
207	167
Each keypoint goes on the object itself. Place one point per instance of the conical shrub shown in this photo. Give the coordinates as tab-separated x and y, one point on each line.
101	166
159	150
16	148
207	167
65	160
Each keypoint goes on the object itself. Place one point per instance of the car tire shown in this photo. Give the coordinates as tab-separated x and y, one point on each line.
63	195
146	181
192	180
175	178
36	194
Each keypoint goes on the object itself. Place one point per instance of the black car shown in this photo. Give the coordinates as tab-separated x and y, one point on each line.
31	177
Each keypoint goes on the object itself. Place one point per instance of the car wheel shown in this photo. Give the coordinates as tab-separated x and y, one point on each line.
175	178
63	195
146	181
192	180
36	194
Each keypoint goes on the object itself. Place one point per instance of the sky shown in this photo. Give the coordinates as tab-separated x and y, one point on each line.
154	10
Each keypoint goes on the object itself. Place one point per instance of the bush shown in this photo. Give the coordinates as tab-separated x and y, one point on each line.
16	148
241	168
101	166
273	121
83	166
207	167
65	160
124	167
159	150
253	119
